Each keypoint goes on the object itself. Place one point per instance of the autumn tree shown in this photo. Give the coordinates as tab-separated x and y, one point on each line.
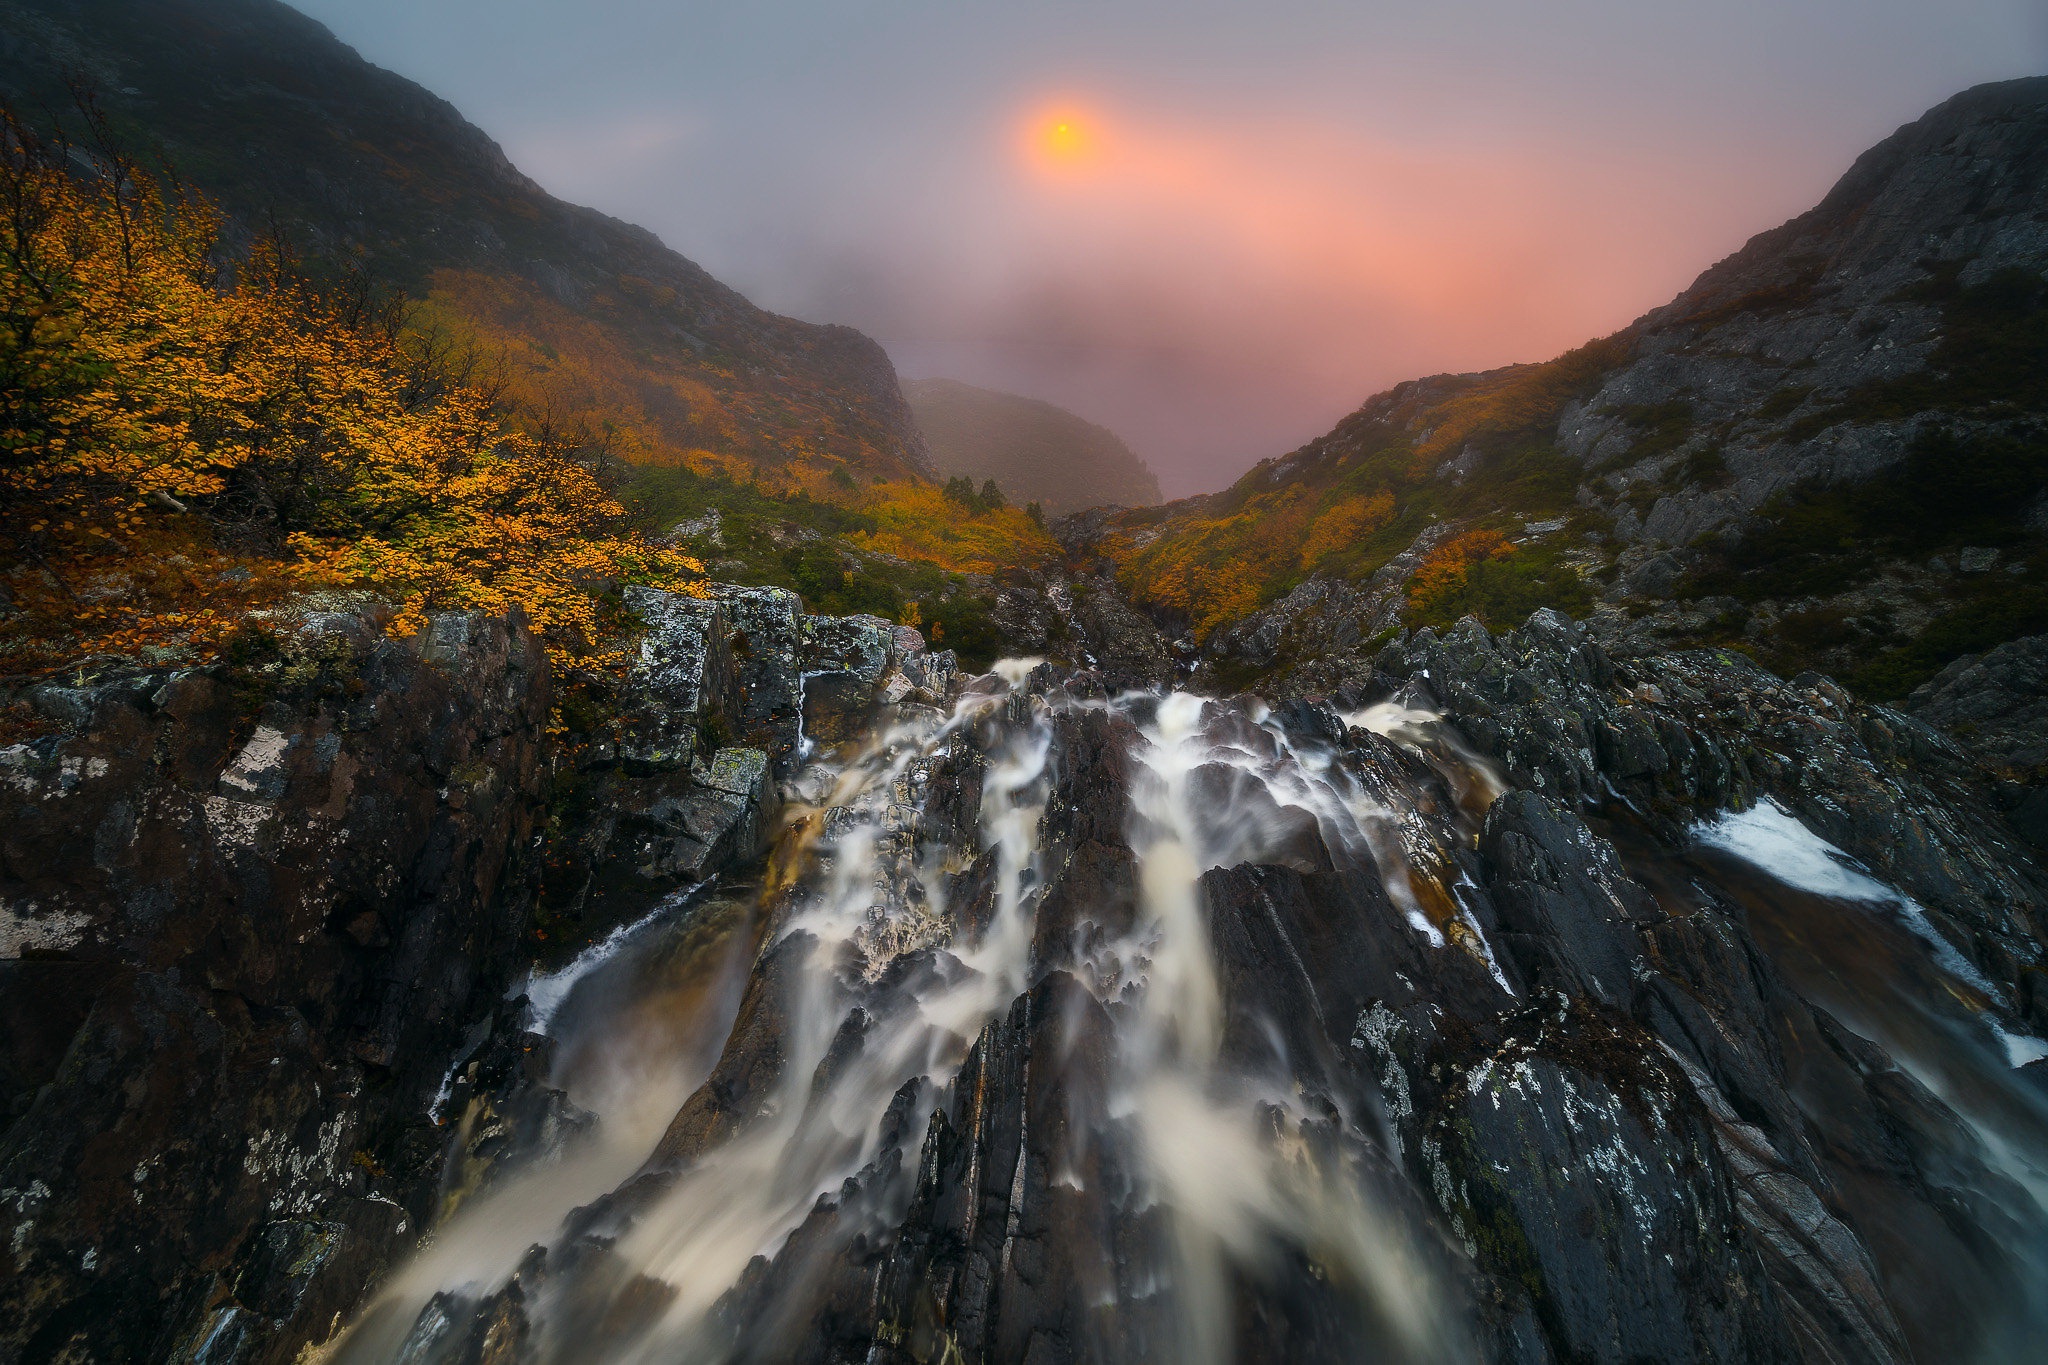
188	430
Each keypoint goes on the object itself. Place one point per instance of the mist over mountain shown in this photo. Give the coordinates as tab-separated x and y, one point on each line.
1289	207
536	830
601	326
1831	451
1035	452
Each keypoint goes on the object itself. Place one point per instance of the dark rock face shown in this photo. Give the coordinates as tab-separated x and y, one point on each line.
768	649
248	920
1441	1018
1995	705
248	934
1083	621
1152	1028
1680	735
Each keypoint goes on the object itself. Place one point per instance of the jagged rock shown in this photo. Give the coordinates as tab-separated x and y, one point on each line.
768	647
249	943
1081	620
1566	911
718	821
1995	705
1309	640
502	1113
1681	736
681	681
845	658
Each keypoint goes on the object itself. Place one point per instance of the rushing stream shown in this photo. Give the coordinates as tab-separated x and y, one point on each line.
1058	1027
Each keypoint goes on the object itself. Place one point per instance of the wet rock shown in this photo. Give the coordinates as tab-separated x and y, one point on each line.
1683	736
845	659
1566	910
768	646
503	1114
681	681
1576	1167
251	935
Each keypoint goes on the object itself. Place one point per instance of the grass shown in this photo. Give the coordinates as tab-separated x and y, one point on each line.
1503	592
810	546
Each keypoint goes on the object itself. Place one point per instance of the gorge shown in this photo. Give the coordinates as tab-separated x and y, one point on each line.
618	862
1068	1016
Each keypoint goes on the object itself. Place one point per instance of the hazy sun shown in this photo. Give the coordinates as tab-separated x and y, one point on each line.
1066	138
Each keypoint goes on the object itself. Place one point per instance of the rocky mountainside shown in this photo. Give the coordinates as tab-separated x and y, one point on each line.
1512	1003
1503	1000
1345	978
255	919
601	324
1035	452
1831	452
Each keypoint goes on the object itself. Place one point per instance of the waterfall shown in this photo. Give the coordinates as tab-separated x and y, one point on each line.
1020	1026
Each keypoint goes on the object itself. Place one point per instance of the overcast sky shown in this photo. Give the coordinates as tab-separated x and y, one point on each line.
1215	228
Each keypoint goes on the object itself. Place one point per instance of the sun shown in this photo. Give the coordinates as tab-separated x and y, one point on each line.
1066	138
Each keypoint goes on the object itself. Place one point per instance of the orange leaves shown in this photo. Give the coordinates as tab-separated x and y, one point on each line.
1448	566
918	521
175	452
1515	400
1213	569
1346	523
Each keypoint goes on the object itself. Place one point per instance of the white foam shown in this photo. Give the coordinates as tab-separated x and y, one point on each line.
1771	838
545	991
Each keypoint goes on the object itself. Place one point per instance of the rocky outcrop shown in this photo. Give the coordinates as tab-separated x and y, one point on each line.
256	924
1676	738
1084	620
1321	631
1412	1070
248	913
1995	705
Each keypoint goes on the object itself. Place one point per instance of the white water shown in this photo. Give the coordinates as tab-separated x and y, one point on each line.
743	1198
1225	1154
1236	1192
1770	837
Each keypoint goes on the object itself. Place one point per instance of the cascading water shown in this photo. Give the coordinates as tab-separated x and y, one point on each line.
1060	1027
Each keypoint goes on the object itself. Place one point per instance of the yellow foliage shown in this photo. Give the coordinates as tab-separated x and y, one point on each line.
1515	399
1345	524
1211	570
180	442
918	521
1446	568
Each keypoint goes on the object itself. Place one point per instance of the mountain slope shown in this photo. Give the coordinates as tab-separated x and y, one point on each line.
1829	451
1035	452
602	326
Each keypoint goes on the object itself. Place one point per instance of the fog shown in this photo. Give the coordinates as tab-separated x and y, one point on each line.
1214	228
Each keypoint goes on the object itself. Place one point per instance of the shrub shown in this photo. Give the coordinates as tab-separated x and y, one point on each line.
185	434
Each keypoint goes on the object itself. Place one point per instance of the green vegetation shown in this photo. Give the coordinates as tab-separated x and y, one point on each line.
804	544
1664	427
1992	359
989	499
1784	402
1949	491
1503	591
1980	616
